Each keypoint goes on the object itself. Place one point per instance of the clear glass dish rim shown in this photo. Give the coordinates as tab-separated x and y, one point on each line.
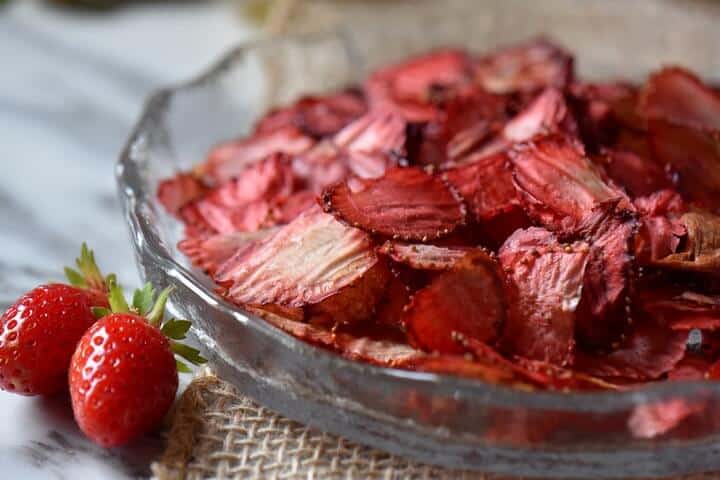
133	198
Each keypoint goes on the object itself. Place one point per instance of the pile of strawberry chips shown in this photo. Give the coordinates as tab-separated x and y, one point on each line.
490	216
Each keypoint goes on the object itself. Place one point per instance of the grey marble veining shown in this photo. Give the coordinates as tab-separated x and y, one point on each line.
71	86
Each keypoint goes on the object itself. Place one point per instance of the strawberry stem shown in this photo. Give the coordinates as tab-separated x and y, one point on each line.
117	301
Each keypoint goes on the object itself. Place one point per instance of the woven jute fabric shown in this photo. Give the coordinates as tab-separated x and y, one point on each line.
217	433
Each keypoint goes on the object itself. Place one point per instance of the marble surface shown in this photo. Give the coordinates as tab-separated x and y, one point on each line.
71	86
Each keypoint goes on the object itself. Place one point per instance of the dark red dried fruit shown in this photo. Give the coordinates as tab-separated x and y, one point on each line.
546	279
317	116
407	87
467	301
648	351
683	117
637	174
602	310
524	68
486	186
405	203
558	185
228	160
699	249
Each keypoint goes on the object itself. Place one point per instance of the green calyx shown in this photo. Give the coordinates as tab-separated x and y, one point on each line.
88	275
152	308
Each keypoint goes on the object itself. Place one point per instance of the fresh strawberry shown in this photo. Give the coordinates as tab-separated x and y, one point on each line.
123	375
39	332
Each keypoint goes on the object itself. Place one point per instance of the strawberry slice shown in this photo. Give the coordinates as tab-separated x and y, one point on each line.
683	117
486	186
547	280
317	116
462	367
176	192
640	176
391	307
423	257
405	203
558	185
228	160
244	203
303	263
648	352
525	67
660	231
356	348
601	313
407	87
548	113
467	301
208	253
684	311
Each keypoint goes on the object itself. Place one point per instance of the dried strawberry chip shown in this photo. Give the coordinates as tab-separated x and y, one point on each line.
649	351
460	366
694	154
405	203
661	230
547	113
176	192
524	68
639	175
700	248
317	116
391	306
690	368
423	257
684	311
676	95
558	185
601	313
467	301
303	263
209	253
683	118
355	302
486	186
407	87
603	109
375	132
229	160
546	279
244	203
287	209
356	348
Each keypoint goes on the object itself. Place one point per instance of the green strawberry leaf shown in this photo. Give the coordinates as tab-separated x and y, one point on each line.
143	299
176	329
100	312
182	367
88	268
75	278
118	304
187	352
155	315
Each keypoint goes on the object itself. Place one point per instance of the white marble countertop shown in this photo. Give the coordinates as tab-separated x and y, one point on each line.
72	85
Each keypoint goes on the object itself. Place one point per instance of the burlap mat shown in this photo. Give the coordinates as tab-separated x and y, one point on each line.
217	433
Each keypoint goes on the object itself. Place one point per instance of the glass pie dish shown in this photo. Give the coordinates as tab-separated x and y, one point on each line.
432	418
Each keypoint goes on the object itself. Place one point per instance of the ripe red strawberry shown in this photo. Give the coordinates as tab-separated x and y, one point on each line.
123	375
39	332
